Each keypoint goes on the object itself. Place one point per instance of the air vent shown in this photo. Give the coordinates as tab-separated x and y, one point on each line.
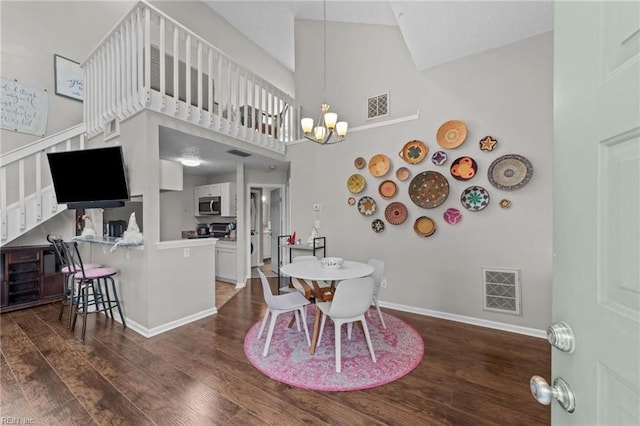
501	290
378	106
238	153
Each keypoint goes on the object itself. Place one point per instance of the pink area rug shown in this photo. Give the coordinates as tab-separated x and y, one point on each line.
399	349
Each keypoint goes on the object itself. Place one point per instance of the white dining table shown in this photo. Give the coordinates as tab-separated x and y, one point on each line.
314	271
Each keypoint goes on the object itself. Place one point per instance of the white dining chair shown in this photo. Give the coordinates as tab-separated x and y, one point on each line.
351	300
378	279
280	304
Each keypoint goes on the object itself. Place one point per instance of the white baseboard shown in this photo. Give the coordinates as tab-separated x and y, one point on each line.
150	332
467	320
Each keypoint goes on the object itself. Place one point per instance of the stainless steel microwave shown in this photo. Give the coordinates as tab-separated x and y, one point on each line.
208	206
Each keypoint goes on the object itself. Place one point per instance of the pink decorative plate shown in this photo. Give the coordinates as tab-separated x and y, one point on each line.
452	216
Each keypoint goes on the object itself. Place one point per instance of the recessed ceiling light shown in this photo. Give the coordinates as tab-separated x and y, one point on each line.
272	167
190	162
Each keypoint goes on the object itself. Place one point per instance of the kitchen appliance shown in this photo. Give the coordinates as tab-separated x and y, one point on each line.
220	230
202	230
115	228
208	206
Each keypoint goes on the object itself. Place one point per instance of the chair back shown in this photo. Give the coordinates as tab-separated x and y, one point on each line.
68	254
352	298
378	271
303	259
266	289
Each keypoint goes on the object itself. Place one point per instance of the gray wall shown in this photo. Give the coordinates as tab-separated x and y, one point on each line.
506	93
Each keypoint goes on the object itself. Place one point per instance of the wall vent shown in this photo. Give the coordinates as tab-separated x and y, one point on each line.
378	106
501	290
238	153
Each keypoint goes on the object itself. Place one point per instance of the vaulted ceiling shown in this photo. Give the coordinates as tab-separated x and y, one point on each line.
435	32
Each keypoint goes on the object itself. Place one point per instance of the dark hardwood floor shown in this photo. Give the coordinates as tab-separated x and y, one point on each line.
198	375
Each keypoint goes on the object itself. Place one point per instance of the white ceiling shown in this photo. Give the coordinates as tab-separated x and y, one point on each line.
435	32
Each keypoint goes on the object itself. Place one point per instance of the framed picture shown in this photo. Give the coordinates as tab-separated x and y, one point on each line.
69	78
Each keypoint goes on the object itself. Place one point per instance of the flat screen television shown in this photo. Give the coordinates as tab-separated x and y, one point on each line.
90	178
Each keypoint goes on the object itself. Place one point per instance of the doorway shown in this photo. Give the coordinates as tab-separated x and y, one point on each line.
267	222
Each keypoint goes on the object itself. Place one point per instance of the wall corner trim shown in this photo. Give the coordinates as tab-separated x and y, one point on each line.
150	332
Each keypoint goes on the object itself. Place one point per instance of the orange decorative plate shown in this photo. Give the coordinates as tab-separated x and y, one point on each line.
403	173
424	226
451	134
464	168
414	152
388	189
379	165
356	183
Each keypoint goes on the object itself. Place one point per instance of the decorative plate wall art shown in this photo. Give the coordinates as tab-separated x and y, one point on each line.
356	183
403	173
464	168
488	143
379	165
396	213
510	172
366	206
428	189
377	226
424	226
388	189
414	152
451	134
439	158
505	204
452	216
351	201
474	198
359	162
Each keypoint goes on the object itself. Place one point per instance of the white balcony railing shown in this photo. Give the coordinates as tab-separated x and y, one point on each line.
151	61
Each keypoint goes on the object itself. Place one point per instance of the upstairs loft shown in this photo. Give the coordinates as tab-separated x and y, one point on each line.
149	60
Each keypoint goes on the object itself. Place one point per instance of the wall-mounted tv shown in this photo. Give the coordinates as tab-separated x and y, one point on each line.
90	178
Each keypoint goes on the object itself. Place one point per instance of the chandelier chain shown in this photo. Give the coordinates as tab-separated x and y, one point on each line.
324	51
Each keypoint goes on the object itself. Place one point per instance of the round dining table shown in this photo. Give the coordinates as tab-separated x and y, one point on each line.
314	271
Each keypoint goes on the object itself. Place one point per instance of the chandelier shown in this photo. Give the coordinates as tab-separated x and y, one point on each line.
329	130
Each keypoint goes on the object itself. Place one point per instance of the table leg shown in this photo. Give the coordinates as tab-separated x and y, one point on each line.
316	330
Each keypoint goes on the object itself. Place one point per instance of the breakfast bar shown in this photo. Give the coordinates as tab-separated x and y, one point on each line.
162	285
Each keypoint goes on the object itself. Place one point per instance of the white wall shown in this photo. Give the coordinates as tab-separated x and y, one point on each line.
506	93
32	32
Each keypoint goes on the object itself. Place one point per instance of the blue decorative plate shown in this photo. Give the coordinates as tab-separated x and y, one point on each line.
475	198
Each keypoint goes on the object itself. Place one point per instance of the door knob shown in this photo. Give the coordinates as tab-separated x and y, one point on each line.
561	391
560	336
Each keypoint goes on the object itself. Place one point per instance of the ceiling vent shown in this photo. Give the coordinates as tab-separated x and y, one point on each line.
501	288
238	153
378	106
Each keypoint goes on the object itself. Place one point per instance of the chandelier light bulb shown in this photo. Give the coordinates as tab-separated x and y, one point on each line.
341	128
330	119
320	133
307	124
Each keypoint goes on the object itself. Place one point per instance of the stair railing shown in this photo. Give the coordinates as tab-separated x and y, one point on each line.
27	197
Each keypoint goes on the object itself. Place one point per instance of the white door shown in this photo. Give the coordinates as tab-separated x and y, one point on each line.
596	278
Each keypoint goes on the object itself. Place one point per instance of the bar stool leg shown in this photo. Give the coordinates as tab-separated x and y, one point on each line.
117	301
85	308
109	302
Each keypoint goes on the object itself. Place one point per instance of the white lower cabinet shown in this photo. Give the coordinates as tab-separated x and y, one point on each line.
226	262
